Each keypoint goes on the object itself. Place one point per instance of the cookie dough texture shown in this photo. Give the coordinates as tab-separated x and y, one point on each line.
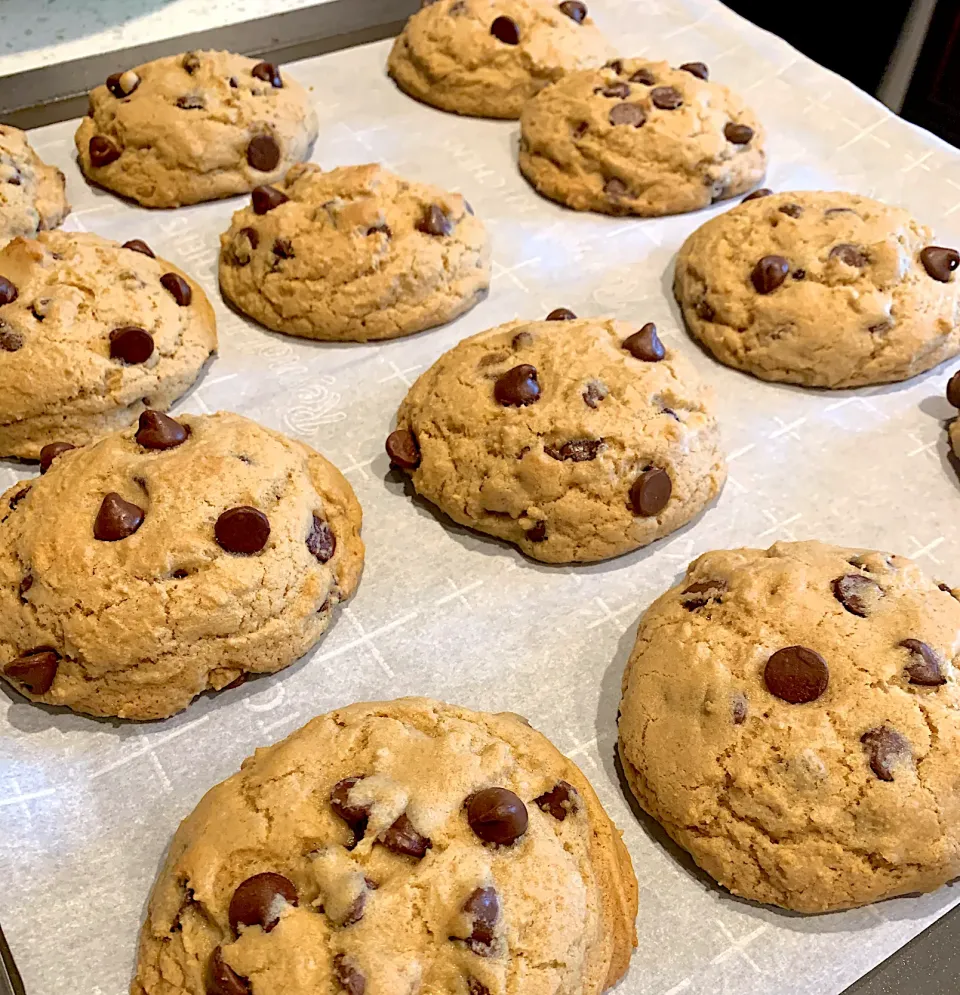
32	194
554	477
144	624
58	380
857	306
184	131
781	802
355	253
566	890
638	137
448	56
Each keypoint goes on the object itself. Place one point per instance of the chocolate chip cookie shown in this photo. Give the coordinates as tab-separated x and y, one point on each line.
169	559
487	57
791	716
354	253
389	847
91	334
32	194
194	127
821	289
574	439
638	137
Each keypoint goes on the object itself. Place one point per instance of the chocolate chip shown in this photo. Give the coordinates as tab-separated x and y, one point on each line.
645	344
667	98
650	492
348	976
25	584
561	314
242	530
575	10
737	134
594	393
257	901
483	908
505	29
705	310
403	450
517	387
138	245
381	229
34	670
266	198
435	222
839	210
18	497
701	593
856	593
131	345
953	390
738	708
560	801
102	151
698	69
117	519
178	288
796	674
925	664
577	451
616	91
643	76
799	274
159	431
263	153
8	292
757	194
477	987
269	73
10	341
885	749
355	912
630	114
538	533
234	82
283	248
190	62
123	84
14	181
791	210
615	188
616	65
321	541
223	979
191	102
355	816
497	815
849	255
402	838
50	452
521	340
939	262
769	273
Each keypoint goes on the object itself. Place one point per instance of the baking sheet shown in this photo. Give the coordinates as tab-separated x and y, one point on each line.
87	807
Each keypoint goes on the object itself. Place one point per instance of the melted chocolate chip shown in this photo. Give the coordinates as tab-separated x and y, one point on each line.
355	816
26	583
560	801
856	593
520	341
8	292
269	73
615	91
321	541
769	273
483	908
263	153
796	674
131	345
122	84
925	666
348	975
757	194
885	749
575	10
223	979
939	262
791	210
628	114
190	63
505	29
177	288
404	839
700	593
403	450
576	451
645	344
242	530
191	102
517	387
953	390
102	151
266	198
667	98
615	188
18	497
561	314
259	900
644	76
698	69
497	815
159	431
138	245
616	65
50	452
538	533
650	492
35	670
10	341
117	519
283	248
737	134
849	255
435	222
594	393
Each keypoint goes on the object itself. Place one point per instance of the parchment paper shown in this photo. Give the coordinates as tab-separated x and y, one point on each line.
87	808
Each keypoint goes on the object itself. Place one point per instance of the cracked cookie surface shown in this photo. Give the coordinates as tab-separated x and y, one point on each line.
791	717
170	559
32	194
821	289
354	253
574	439
639	137
292	878
487	57
91	334
194	127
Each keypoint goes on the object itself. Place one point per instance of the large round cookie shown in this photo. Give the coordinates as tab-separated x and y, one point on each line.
575	439
158	563
91	334
354	253
194	127
395	847
792	718
637	137
820	289
32	194
487	57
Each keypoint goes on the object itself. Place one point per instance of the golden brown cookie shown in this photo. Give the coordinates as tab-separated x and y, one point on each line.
32	194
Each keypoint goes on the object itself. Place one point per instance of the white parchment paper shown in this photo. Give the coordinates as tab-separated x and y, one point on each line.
87	807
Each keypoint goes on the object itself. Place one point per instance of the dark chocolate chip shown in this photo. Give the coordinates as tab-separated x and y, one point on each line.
517	387
939	262
357	908
355	816
505	29
348	975
577	450
594	393
645	344
117	519
925	664
266	198
520	341
102	151
705	310
799	274
615	91
402	838
738	708
737	134
159	431
483	908
497	815
629	114
698	69
191	102
435	222
561	314
381	229
234	82
769	273
885	749
263	153
26	583
34	670
650	492
667	98
796	674
615	188
138	245
50	452
953	390
19	496
856	593
8	292
538	533
791	210
321	541
190	63
256	902
849	255
560	801
283	248
575	10
114	86
242	530
644	76
701	593
616	65
223	979
269	73
177	287
10	341
131	345
757	194
403	450
251	234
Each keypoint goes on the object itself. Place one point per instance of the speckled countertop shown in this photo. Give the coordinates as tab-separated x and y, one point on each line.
43	32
